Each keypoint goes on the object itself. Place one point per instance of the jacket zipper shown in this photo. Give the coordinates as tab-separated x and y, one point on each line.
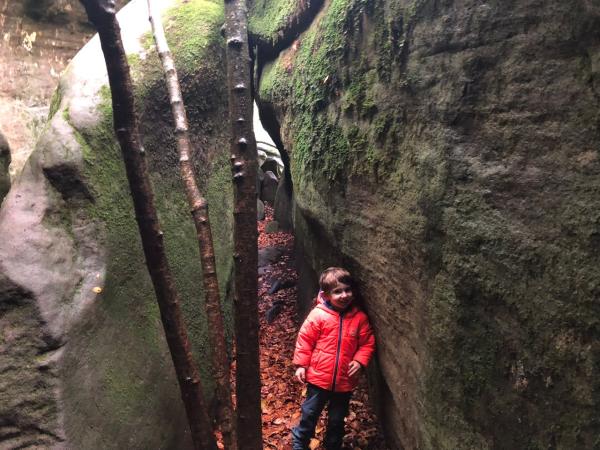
337	352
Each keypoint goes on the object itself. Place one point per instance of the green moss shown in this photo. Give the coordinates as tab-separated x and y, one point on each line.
219	194
191	28
128	290
512	310
381	126
273	84
128	297
308	78
358	95
268	17
55	101
508	351
192	32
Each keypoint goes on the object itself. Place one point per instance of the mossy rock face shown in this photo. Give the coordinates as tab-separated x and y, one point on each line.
275	23
447	155
71	247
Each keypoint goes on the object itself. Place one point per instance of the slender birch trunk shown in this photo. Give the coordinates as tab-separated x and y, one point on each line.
244	167
102	14
199	209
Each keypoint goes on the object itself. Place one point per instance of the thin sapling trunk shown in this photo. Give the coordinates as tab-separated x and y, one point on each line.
244	168
199	209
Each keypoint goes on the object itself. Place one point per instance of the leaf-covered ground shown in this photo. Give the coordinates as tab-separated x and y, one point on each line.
281	393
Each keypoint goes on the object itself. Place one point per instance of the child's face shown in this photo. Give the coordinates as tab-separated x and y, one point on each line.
340	296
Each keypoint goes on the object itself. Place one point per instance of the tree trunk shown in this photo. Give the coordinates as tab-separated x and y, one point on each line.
102	14
243	161
199	209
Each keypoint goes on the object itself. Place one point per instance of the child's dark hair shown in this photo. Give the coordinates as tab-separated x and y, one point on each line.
332	276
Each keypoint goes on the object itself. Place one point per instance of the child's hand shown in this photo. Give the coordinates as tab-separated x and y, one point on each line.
353	368
301	374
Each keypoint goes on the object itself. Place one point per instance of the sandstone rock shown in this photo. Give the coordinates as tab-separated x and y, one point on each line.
260	209
284	203
260	176
279	284
268	155
270	165
82	347
447	155
274	311
268	256
35	49
269	187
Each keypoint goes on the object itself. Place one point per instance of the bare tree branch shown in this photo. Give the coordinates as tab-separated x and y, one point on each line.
102	14
199	209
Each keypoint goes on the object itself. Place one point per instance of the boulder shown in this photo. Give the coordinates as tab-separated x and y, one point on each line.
39	39
267	153
269	187
260	176
284	203
269	255
85	362
270	165
447	155
260	209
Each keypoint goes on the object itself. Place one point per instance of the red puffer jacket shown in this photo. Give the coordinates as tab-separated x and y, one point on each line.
328	341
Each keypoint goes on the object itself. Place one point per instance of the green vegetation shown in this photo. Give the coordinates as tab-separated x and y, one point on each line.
308	79
191	29
55	101
268	17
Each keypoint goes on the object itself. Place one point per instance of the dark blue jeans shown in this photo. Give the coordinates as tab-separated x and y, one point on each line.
316	399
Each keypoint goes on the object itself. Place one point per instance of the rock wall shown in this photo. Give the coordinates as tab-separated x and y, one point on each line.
447	153
39	38
83	359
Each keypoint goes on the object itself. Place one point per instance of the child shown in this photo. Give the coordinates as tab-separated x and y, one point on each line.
334	343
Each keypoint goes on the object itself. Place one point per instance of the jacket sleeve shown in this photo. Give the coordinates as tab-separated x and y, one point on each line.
366	344
307	339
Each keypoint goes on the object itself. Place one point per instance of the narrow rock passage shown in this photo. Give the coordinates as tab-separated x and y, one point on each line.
281	394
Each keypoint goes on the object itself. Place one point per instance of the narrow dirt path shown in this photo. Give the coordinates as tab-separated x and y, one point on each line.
281	394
